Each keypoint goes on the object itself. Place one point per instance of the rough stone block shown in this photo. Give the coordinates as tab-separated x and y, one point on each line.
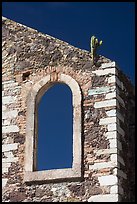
4	170
10	85
8	82
114	158
9	159
111	79
112	127
106	103
108	180
111	112
110	95
4	181
10	128
5	122
8	154
101	90
105	151
9	114
102	165
9	147
8	99
5	165
4	108
105	121
109	64
104	198
114	189
111	134
113	143
105	72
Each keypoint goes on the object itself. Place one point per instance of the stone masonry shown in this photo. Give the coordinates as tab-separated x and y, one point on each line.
108	137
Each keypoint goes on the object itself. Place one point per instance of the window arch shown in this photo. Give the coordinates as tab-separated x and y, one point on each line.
33	100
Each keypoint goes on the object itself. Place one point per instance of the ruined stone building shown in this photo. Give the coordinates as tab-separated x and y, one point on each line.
103	167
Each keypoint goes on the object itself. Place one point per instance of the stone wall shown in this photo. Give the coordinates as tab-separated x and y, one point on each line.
107	122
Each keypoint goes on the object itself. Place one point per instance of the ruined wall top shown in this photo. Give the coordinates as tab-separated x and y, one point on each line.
35	50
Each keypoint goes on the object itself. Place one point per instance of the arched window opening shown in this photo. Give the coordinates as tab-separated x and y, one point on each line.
55	129
64	152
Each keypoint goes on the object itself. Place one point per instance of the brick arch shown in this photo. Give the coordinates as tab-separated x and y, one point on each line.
33	98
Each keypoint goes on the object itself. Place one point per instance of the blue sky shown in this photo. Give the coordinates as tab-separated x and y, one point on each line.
75	23
55	114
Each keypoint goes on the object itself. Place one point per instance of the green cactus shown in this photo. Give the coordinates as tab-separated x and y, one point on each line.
94	45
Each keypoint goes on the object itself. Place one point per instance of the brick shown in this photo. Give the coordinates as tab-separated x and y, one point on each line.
10	85
104	198
115	170
10	128
107	65
112	127
114	79
5	170
111	134
114	189
8	82
9	147
105	151
105	72
6	165
4	181
111	79
8	99
100	90
108	180
8	154
113	143
102	165
106	103
5	122
116	158
105	121
9	159
9	114
113	158
111	112
4	108
110	95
